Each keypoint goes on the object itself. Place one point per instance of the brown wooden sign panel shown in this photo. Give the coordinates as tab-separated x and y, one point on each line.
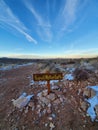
47	76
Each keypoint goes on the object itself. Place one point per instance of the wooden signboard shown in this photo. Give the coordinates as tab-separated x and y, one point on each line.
47	77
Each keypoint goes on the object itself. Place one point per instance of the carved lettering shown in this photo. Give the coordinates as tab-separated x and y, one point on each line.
47	76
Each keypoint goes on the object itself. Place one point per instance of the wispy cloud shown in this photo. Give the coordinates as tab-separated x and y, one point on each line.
83	51
23	56
43	25
69	12
68	18
7	18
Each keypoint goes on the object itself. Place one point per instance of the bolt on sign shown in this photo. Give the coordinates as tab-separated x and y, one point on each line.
47	77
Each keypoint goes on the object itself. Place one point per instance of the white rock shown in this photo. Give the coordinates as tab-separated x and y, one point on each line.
38	106
44	100
79	91
22	101
54	87
79	110
26	110
83	105
56	102
51	96
61	99
49	105
31	82
51	126
33	108
50	118
86	92
39	94
44	111
44	93
58	111
46	125
84	126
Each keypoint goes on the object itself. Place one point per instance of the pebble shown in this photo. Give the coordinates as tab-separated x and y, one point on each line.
83	126
38	111
36	122
79	110
57	101
16	129
38	106
93	93
44	100
44	93
53	115
58	111
44	111
85	121
86	92
39	94
64	91
55	87
26	110
46	125
49	105
23	127
61	99
31	104
33	108
51	126
40	114
79	91
87	114
51	96
50	118
83	105
49	111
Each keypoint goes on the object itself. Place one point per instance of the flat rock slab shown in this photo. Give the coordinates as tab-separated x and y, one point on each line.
51	96
44	98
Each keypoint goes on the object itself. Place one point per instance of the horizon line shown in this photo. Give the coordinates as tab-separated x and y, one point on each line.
49	57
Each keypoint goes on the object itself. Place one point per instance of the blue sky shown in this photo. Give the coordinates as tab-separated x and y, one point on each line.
48	28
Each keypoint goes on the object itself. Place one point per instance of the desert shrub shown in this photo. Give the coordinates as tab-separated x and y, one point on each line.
95	65
81	74
57	70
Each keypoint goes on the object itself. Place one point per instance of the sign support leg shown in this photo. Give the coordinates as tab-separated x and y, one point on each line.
48	85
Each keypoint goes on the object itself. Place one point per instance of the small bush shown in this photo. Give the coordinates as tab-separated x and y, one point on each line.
81	74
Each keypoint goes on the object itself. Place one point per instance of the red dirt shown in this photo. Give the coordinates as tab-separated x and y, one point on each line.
68	117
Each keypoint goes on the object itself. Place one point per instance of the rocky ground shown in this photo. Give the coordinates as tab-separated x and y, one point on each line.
64	108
